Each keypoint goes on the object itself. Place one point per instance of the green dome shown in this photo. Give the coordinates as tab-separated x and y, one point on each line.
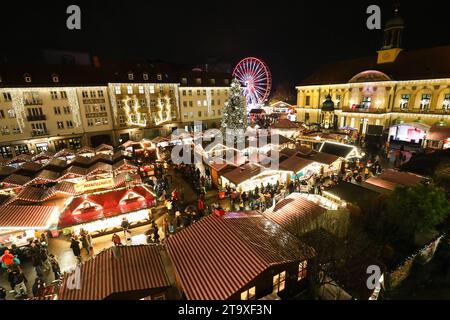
328	104
398	121
441	123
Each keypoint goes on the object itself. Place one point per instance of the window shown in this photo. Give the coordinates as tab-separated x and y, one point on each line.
5	130
404	101
184	92
302	270
11	113
204	92
85	94
119	104
425	102
366	102
338	100
212	81
105	120
190	92
63	95
152	89
100	93
226	82
102	108
191	104
205	103
133	118
183	80
21	149
199	103
66	110
6	151
16	129
7	96
307	100
199	114
130	76
185	115
446	102
90	122
279	282
198	92
161	88
55	78
69	124
57	110
218	102
54	95
2	114
191	114
226	92
198	81
141	89
212	92
129	89
60	124
212	102
117	90
92	94
213	112
142	102
185	104
159	76
248	294
145	76
27	77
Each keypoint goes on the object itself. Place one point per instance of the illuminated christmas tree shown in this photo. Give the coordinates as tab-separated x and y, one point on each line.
235	111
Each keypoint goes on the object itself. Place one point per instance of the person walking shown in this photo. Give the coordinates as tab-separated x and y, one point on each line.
75	246
38	287
18	281
125	225
116	239
55	266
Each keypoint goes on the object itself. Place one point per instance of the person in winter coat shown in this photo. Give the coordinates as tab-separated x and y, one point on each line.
86	240
38	287
55	266
75	246
18	281
116	239
125	225
7	259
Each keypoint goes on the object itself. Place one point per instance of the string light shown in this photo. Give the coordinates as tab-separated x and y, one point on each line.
74	105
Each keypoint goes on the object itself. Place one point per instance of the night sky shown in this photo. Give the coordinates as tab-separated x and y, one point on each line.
293	37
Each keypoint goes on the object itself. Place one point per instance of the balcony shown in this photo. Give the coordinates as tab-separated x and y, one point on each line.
364	110
33	102
40	117
422	111
39	133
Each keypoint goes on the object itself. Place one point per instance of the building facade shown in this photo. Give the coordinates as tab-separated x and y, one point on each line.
49	108
392	87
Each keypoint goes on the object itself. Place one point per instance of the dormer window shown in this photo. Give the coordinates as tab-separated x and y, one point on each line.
145	76
226	82
183	80
27	77
130	76
55	78
212	81
198	81
159	76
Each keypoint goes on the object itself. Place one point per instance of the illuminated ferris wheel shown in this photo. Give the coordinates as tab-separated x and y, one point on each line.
255	77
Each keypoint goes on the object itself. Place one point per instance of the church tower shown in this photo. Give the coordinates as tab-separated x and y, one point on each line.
392	38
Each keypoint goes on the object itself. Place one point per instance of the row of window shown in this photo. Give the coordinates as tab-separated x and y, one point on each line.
5	130
159	76
71	143
95	108
201	92
92	94
9	112
205	114
278	282
141	90
60	124
199	103
54	95
97	122
57	110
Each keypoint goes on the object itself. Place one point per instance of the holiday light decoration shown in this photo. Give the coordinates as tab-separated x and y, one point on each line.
18	107
74	105
112	97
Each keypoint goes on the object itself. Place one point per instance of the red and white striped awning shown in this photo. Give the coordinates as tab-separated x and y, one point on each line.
27	217
295	213
217	256
130	269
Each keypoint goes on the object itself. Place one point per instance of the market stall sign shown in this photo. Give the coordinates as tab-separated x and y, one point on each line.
94	184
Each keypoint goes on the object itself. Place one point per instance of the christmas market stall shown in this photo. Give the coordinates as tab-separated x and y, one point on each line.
18	224
251	258
102	212
128	272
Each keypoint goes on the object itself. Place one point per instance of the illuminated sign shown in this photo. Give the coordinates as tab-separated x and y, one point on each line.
94	184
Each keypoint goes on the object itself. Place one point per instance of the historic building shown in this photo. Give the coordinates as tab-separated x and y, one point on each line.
202	98
53	107
392	87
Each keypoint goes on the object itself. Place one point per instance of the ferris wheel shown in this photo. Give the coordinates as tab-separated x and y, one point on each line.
255	77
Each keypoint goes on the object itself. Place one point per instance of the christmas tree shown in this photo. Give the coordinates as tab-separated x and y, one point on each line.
235	111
